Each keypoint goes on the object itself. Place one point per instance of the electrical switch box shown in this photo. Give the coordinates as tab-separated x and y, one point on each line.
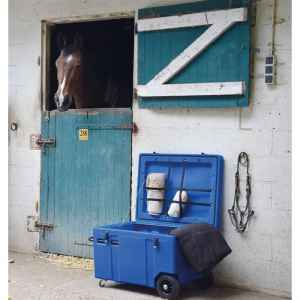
270	63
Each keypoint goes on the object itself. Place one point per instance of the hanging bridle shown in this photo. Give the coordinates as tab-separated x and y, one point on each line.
240	217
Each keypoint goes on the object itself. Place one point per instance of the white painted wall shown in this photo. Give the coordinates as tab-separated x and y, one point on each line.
261	258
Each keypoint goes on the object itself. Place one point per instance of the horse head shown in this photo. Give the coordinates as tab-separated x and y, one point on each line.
69	72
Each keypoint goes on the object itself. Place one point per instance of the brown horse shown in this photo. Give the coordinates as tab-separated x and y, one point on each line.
78	84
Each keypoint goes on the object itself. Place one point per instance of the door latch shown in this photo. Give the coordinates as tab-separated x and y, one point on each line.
156	243
34	225
39	143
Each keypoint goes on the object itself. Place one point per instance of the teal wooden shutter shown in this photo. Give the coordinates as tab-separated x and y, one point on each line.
227	59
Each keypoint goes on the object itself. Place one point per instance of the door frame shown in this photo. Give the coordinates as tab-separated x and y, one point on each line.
44	61
46	26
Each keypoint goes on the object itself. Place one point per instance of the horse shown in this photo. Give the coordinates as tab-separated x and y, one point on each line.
80	84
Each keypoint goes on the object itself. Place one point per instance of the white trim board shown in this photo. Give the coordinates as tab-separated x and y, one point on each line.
193	89
188	54
192	20
220	21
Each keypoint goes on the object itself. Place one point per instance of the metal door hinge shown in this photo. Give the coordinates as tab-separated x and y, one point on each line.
126	126
83	244
133	127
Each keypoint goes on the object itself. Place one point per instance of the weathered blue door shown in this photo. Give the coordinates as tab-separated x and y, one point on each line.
85	178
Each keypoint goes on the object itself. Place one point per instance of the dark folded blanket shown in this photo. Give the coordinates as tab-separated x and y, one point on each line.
203	246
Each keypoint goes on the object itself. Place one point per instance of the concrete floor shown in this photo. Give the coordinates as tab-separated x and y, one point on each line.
32	277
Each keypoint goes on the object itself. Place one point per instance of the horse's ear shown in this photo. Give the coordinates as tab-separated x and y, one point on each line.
61	41
78	41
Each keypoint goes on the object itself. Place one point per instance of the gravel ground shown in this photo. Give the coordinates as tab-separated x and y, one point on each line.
36	277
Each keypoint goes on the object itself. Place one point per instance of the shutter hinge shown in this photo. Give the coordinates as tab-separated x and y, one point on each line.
135	94
135	128
135	27
132	126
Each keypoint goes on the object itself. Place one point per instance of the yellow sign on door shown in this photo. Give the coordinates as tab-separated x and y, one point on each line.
83	134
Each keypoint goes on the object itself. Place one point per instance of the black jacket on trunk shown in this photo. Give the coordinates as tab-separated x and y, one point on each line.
202	245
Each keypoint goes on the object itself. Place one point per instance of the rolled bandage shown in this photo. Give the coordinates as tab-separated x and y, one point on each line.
174	209
155	185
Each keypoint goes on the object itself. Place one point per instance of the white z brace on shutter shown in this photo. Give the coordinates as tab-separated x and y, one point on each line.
220	21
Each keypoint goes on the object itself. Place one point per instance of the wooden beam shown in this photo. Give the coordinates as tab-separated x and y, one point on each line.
192	20
193	50
192	89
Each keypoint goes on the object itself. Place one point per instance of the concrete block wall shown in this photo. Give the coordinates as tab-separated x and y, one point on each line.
261	258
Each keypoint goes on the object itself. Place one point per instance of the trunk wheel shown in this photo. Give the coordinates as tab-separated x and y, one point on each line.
167	287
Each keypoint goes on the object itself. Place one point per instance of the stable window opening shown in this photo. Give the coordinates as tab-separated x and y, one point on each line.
89	64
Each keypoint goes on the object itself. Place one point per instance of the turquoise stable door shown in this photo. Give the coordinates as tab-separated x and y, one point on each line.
85	178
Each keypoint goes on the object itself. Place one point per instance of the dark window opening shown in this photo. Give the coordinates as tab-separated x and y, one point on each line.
109	44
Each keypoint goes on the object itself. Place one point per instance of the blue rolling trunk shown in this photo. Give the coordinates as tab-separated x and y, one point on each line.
140	252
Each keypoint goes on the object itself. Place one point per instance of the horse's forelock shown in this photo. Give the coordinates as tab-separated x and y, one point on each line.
68	50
